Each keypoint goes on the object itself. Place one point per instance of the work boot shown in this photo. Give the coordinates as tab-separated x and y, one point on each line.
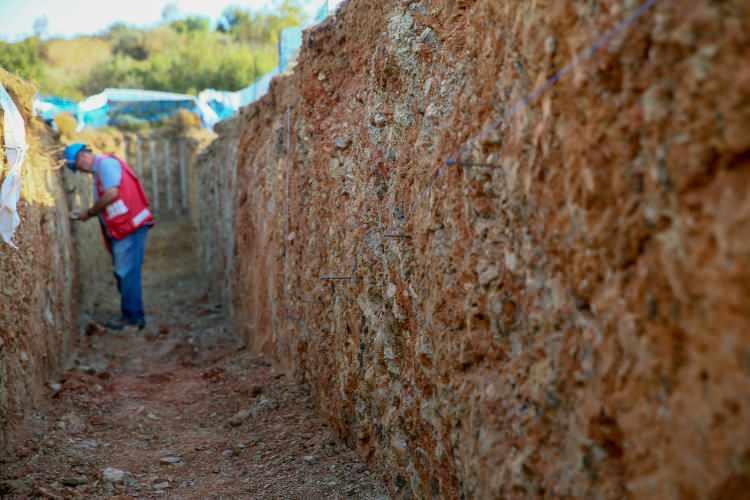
118	324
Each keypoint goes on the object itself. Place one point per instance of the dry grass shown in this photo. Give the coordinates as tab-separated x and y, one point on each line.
66	124
184	121
40	163
78	56
103	140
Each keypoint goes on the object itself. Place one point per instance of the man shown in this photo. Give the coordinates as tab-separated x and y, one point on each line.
122	208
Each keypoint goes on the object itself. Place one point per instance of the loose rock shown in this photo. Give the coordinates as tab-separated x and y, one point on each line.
112	475
74	481
239	417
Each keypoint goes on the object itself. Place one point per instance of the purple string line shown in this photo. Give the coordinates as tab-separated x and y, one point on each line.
580	58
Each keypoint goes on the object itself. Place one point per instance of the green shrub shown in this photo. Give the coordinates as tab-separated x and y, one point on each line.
130	123
23	59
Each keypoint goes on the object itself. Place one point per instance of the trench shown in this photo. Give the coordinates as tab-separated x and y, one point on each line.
498	249
180	409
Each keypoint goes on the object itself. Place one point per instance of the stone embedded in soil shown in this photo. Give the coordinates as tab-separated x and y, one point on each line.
88	444
239	417
74	481
161	485
112	475
15	486
171	460
342	142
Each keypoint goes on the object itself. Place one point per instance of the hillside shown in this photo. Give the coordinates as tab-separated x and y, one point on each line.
184	56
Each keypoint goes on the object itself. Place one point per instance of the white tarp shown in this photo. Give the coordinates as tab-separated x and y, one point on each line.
15	152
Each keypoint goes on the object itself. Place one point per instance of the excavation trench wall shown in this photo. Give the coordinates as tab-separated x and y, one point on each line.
215	175
38	306
571	322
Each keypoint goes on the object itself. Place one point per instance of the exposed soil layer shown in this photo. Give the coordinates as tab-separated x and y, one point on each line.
564	315
180	408
37	278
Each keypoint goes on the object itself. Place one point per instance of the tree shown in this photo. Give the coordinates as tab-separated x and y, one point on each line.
262	26
128	42
41	26
170	12
192	24
231	18
23	59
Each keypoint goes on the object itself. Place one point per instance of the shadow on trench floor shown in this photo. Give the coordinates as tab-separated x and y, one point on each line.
179	410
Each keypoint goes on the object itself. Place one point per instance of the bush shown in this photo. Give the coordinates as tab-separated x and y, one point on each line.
193	24
23	58
130	123
184	120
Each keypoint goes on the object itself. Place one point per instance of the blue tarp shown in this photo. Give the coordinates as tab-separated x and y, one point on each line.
112	105
290	41
322	13
47	107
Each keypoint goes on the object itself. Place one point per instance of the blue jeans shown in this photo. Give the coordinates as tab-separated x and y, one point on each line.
127	258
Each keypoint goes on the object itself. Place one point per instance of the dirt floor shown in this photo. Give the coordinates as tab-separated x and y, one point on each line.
179	410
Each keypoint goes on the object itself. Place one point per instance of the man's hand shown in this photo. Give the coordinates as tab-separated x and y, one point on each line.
79	215
108	197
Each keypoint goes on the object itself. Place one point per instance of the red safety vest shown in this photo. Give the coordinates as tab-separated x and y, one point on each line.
129	212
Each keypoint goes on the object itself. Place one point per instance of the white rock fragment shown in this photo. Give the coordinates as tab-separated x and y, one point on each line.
511	262
162	485
550	45
112	475
488	275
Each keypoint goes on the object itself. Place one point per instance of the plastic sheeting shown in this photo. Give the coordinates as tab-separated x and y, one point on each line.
47	107
148	105
116	106
15	153
290	41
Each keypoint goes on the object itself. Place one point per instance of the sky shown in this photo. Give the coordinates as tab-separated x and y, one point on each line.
73	17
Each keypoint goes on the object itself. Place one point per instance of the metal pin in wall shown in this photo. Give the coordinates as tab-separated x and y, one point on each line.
168	169
154	175
138	158
183	177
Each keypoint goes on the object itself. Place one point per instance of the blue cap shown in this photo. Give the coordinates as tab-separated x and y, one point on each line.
71	154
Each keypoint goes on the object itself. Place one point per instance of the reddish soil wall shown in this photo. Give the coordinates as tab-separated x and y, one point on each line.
37	303
573	323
